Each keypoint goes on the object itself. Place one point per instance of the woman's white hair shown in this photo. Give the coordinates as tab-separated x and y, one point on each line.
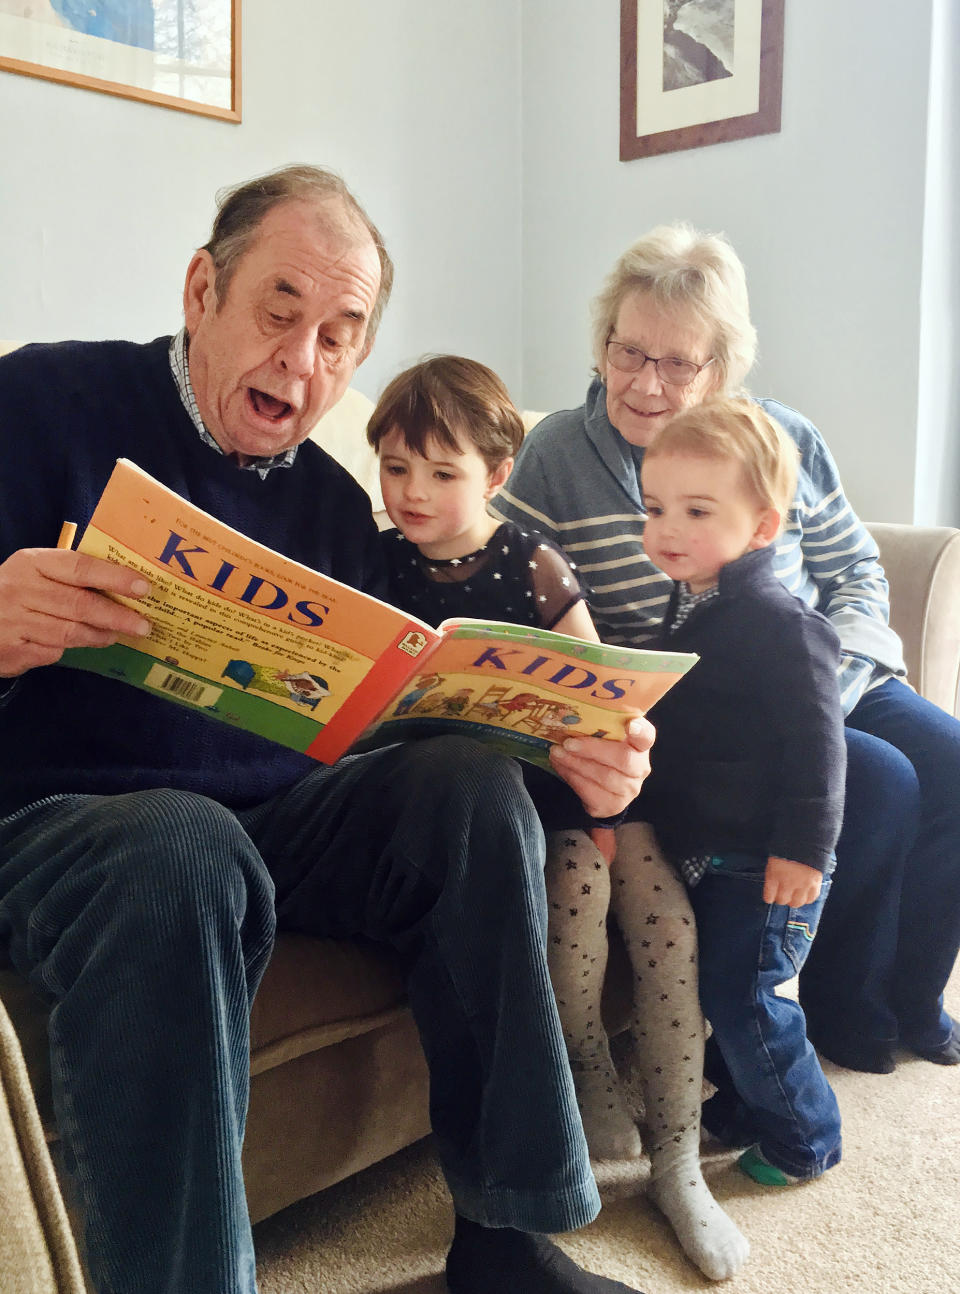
693	274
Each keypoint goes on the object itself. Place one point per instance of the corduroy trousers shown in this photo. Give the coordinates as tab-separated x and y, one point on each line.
147	920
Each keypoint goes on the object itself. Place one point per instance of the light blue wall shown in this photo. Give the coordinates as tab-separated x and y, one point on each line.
416	102
483	136
937	494
827	215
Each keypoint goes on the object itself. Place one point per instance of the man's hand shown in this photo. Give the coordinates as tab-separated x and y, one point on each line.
607	775
792	884
52	598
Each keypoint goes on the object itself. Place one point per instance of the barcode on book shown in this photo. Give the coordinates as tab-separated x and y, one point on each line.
182	686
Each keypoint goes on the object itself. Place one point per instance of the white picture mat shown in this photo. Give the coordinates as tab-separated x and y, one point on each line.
53	46
733	96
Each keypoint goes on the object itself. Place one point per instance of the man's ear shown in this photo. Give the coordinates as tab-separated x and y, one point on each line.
365	349
199	289
498	477
768	527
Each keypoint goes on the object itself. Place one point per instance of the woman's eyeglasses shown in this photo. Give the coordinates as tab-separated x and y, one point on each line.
670	368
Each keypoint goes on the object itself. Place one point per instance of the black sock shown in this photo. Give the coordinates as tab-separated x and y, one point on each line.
948	1053
498	1260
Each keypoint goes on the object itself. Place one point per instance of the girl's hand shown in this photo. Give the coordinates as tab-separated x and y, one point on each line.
605	839
792	884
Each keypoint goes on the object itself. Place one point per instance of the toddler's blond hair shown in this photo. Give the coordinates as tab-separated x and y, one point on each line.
738	429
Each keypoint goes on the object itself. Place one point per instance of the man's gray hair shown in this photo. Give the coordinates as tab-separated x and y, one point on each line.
242	208
685	271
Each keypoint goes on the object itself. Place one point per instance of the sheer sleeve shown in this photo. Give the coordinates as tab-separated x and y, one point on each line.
553	581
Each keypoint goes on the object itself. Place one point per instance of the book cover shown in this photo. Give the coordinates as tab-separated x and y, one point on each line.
522	689
256	640
240	632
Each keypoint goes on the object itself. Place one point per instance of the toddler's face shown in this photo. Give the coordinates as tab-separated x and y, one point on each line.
439	501
701	514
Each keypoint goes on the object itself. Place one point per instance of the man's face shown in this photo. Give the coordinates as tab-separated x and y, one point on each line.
280	351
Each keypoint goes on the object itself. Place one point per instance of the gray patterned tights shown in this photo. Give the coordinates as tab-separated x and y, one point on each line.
651	908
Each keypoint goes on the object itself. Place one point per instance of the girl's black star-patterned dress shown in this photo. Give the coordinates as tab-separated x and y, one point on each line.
517	576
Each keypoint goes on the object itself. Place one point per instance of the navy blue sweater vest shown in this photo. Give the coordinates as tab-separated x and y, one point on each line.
67	413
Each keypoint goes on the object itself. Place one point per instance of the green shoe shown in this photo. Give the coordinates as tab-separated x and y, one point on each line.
761	1170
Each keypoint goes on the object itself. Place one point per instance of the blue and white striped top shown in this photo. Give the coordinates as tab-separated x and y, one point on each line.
576	480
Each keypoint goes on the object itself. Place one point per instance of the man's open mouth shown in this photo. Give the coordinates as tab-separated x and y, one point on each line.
268	406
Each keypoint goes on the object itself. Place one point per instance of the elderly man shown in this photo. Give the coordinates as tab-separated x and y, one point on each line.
147	854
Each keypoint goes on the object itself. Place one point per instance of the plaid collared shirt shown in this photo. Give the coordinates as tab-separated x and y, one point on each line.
687	602
694	868
180	369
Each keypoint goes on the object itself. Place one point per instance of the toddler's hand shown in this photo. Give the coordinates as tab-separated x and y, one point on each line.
792	884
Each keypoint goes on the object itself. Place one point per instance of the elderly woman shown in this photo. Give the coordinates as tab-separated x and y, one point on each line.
671	328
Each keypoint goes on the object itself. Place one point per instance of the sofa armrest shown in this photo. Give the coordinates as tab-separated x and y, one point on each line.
37	1250
922	565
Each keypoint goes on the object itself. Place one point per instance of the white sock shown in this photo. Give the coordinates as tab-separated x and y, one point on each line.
651	906
707	1235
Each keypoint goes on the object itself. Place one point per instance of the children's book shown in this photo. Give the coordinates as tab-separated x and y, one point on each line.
253	639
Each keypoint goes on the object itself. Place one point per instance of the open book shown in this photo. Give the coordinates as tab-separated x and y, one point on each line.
256	640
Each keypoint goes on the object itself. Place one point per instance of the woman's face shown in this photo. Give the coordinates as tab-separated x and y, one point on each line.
639	404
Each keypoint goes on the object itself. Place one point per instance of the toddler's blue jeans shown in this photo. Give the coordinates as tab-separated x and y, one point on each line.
770	1087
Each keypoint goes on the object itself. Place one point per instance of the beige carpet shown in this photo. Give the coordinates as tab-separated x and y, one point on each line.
887	1219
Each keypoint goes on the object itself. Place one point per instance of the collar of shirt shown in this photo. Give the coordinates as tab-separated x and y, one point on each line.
687	602
180	369
615	452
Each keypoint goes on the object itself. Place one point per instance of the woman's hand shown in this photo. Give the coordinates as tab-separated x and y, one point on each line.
792	884
606	775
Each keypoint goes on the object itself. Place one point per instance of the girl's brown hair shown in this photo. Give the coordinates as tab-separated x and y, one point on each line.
444	398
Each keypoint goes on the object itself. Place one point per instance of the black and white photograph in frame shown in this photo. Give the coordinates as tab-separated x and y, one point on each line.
697	72
698	44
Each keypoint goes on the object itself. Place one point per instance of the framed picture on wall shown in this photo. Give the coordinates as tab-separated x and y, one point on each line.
181	54
695	72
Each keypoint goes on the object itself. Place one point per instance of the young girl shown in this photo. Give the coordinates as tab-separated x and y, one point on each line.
446	433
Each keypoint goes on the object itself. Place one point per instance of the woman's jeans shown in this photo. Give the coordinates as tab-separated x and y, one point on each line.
889	936
147	920
770	1087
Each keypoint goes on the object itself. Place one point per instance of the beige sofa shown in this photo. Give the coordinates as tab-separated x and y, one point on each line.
338	1080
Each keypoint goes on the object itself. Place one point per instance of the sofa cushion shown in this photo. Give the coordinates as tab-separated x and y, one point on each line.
315	992
342	432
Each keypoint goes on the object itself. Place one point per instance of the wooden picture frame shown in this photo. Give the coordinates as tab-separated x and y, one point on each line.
713	97
182	54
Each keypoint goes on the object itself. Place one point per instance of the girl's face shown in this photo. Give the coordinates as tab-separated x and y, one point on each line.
439	501
701	514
